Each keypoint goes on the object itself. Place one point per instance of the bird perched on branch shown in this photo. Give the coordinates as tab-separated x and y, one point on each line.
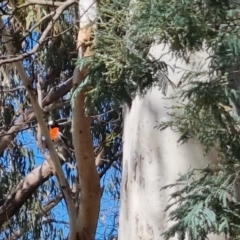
60	142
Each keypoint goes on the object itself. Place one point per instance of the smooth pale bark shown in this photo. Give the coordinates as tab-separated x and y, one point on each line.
154	158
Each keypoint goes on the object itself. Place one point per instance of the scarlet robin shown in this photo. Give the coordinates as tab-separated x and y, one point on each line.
60	142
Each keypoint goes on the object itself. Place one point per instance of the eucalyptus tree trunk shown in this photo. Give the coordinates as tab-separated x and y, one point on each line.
89	190
153	158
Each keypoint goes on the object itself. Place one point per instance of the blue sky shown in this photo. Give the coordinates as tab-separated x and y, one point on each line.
109	204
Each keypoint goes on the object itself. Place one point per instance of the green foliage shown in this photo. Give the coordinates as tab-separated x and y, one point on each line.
206	205
206	114
120	67
207	109
186	25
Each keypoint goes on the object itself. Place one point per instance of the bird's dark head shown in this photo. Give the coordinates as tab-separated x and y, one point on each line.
53	124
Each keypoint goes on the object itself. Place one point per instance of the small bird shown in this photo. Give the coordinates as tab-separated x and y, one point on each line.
60	142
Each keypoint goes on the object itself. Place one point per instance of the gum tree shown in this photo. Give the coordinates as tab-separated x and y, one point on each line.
125	53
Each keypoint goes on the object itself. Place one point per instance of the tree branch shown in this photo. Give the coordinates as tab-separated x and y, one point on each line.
52	152
40	2
48	207
52	203
24	191
58	12
29	115
12	89
39	133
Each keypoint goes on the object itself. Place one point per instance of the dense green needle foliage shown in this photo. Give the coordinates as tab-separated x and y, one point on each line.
120	67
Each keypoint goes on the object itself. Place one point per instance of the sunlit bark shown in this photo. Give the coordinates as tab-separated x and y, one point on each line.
154	158
90	192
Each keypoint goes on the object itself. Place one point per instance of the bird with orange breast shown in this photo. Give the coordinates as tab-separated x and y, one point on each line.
60	142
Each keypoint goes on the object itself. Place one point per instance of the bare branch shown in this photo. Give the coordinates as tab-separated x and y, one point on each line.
99	159
110	163
24	190
28	116
12	89
52	203
58	91
40	2
39	132
39	22
55	221
47	208
57	106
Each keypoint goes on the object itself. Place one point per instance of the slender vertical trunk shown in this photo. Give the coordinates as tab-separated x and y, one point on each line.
89	186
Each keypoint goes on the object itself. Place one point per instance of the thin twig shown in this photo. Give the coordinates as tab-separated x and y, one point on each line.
39	2
38	23
47	208
12	89
39	132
